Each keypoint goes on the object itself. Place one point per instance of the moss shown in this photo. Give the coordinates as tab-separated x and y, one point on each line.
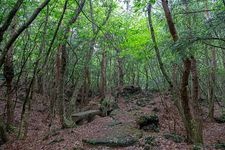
174	137
221	119
197	147
150	140
121	135
108	105
148	123
220	145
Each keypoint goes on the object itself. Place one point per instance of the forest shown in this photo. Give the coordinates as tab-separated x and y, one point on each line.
112	74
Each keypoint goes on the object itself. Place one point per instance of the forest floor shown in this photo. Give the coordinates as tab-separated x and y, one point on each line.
39	135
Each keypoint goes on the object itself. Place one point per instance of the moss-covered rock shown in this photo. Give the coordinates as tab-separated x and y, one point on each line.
197	147
150	140
174	137
108	104
148	122
120	135
221	119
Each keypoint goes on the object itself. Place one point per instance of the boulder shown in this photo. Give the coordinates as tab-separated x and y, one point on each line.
148	123
128	90
86	115
174	137
119	135
108	104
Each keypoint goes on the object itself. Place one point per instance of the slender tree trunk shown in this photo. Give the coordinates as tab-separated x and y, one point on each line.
62	63
212	76
20	30
147	78
9	74
120	72
198	133
192	124
103	74
9	18
161	65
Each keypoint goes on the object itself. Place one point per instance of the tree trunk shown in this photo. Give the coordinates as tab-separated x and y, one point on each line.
120	72
192	124
161	65
9	74
197	113
103	74
9	18
61	62
212	76
20	30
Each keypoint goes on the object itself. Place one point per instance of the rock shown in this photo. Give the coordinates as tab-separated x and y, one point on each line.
155	109
147	147
148	123
150	140
128	90
220	119
174	137
197	147
120	135
108	104
114	123
141	103
117	112
86	115
57	140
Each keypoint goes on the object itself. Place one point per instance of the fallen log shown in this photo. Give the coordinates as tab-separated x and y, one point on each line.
86	115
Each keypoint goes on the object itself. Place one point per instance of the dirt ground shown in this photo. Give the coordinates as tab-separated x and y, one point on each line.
41	137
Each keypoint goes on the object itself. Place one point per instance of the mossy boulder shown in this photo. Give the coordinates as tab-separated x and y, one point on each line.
221	119
174	137
107	105
148	122
150	140
120	135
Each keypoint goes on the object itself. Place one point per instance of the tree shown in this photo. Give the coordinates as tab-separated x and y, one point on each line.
192	123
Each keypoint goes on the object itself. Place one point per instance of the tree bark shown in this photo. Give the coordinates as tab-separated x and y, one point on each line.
9	18
212	76
103	74
9	74
192	123
62	63
120	72
161	65
169	20
20	30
